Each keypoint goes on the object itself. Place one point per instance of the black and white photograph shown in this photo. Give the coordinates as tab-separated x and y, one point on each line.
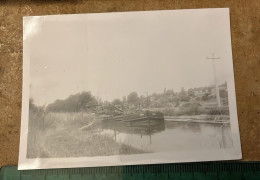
128	88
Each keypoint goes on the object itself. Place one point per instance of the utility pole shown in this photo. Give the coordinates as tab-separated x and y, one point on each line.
213	58
147	100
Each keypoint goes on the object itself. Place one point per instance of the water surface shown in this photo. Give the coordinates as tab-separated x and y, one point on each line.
171	136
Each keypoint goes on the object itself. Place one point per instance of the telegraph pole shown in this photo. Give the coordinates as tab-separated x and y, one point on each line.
213	58
147	100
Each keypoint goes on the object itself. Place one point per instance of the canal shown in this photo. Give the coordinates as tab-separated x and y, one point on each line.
170	136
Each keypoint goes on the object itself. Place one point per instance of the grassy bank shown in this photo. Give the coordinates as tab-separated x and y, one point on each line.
80	144
59	135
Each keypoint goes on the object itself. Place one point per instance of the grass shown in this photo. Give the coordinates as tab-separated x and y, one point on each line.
77	144
59	135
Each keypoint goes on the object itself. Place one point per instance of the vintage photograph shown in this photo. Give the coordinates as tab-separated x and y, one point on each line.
128	88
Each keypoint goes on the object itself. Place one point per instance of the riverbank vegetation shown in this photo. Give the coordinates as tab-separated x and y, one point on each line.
57	135
194	101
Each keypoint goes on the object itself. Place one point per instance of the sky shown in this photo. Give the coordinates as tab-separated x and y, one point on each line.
113	54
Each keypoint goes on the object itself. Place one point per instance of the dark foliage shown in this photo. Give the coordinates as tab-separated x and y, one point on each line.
83	101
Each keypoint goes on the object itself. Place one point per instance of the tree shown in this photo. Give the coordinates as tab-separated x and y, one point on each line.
74	103
85	99
191	93
223	93
132	98
183	95
205	97
176	100
116	102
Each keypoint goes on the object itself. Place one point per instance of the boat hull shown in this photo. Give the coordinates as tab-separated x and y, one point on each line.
136	117
143	123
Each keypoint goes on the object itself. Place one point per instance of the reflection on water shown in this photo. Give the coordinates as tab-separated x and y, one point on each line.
143	127
163	136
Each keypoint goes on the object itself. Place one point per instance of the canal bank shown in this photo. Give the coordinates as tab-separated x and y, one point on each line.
208	119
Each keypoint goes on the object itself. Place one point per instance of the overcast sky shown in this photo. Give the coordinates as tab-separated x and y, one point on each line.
113	54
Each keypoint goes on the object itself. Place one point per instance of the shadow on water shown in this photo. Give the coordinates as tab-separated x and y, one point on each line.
143	127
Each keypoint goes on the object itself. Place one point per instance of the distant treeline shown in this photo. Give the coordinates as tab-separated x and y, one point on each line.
85	101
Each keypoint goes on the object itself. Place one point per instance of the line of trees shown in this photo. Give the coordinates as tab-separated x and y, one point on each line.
162	100
85	101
